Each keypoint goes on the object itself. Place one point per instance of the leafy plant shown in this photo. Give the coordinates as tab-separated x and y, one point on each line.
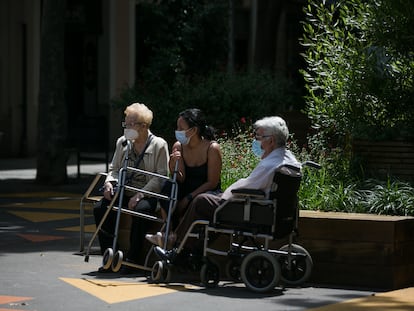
324	191
389	198
360	84
359	76
238	159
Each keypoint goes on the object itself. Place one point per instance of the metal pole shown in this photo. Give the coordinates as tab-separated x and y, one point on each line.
173	201
121	188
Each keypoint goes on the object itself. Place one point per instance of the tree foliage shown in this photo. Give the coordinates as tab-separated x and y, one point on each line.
359	77
182	54
180	37
224	98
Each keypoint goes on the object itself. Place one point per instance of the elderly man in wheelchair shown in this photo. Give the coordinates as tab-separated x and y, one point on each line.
247	210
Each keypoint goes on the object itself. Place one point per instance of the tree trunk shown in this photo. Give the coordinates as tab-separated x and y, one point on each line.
52	117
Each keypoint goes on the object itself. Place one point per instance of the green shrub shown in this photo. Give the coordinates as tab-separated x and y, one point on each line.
333	189
388	198
238	158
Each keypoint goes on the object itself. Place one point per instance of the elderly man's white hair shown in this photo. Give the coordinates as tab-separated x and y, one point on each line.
274	126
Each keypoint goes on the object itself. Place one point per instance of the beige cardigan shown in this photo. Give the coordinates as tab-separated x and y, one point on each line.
155	160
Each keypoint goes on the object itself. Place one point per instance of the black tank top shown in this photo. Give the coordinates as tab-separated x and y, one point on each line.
195	176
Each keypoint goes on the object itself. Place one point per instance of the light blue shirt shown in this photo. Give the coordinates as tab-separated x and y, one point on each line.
262	175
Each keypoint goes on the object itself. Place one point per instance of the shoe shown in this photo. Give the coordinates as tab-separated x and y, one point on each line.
159	238
155	239
165	255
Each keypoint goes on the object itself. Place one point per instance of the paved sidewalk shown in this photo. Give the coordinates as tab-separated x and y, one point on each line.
41	268
25	168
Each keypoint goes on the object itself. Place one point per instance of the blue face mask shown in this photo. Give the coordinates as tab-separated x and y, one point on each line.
257	148
180	136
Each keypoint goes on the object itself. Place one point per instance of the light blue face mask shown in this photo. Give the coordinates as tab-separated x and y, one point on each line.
180	136
257	148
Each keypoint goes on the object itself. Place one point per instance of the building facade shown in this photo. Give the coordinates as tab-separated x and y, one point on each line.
100	58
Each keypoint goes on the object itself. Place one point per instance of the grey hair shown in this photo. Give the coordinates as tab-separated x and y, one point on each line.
274	126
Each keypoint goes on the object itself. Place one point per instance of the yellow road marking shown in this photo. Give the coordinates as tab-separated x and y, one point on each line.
117	291
41	217
398	300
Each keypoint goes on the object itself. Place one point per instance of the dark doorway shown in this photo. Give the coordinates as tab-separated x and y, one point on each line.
87	134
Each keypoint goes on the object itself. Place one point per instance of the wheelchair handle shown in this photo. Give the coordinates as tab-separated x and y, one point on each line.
312	164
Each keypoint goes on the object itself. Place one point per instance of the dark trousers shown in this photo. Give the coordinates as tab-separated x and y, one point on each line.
138	227
201	208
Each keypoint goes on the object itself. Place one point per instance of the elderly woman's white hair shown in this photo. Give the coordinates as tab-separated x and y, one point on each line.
141	112
274	126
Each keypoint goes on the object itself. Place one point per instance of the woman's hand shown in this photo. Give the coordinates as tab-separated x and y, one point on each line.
176	158
175	155
134	200
108	191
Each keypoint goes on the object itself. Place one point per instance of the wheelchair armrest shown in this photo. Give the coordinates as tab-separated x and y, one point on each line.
244	192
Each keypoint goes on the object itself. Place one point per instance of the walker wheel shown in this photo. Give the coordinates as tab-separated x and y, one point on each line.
209	275
260	271
117	261
107	258
160	272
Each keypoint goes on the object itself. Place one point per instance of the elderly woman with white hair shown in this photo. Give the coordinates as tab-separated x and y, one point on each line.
271	134
147	152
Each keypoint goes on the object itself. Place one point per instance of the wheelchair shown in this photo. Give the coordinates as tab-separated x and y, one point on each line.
250	222
113	258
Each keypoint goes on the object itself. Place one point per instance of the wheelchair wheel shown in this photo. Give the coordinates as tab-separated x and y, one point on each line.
160	272
209	275
117	261
260	271
107	258
233	270
295	270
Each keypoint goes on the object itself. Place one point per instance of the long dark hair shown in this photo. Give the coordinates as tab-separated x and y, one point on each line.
195	118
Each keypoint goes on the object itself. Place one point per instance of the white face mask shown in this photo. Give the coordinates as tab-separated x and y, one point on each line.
130	134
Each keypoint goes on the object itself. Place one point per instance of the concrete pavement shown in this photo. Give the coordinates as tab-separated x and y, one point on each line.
41	268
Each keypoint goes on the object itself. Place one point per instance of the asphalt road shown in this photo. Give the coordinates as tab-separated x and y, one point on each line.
41	267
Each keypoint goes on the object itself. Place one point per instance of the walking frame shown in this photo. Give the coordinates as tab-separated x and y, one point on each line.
113	258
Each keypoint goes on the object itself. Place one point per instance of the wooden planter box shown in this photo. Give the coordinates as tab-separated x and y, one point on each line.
360	250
